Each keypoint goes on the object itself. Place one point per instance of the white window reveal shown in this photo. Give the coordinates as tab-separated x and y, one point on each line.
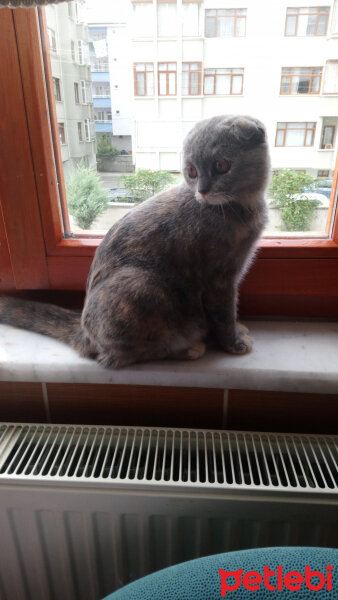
331	77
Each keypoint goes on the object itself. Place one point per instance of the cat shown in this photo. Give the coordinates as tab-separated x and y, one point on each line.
165	277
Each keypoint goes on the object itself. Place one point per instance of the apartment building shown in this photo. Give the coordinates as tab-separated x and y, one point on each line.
110	73
68	45
278	61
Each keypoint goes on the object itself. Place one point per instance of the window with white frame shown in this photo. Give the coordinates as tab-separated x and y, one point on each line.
295	134
143	20
83	53
190	19
166	19
223	81
51	39
83	92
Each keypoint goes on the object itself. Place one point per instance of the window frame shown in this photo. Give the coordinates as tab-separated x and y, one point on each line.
145	95
308	14
297	277
167	72
215	17
286	129
311	77
215	75
189	71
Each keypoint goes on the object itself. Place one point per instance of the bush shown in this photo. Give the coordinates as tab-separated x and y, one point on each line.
146	183
87	197
296	214
104	148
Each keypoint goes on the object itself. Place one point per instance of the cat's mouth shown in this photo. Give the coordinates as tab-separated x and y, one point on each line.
213	198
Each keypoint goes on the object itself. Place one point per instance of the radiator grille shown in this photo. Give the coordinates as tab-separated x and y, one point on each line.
217	459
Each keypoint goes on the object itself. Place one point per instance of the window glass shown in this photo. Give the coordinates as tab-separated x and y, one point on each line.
124	96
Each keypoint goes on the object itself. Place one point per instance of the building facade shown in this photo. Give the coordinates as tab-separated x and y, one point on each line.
278	61
110	69
68	45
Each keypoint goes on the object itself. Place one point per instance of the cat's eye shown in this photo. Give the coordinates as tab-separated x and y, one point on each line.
222	166
192	172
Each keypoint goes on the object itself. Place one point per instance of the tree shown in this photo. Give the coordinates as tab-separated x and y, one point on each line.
146	183
104	147
296	214
87	198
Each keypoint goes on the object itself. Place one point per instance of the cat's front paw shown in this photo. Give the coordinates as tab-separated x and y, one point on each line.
241	345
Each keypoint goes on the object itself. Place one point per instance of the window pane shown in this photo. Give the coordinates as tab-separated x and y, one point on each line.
194	79
279	138
210	25
315	84
294	137
208	85
223	84
140	87
225	26
185	83
291	23
240	27
311	25
172	84
237	84
163	84
309	138
322	22
150	84
285	86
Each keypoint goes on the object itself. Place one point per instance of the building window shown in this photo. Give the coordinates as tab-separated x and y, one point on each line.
167	79
70	10
221	22
223	81
295	134
76	93
323	173
102	90
191	79
79	131
301	80
330	85
307	20
72	47
166	19
51	39
328	135
82	52
57	89
62	134
191	19
87	130
144	79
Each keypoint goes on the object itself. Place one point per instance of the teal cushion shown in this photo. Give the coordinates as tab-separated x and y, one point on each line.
200	579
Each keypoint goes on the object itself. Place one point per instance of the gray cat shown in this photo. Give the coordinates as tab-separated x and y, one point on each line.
165	278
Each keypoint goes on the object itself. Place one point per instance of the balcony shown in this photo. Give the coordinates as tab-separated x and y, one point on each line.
103	127
102	102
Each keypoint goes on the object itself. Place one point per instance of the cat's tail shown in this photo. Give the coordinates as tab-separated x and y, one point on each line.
60	323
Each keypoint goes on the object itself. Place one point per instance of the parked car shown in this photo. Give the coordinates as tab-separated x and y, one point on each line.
321	199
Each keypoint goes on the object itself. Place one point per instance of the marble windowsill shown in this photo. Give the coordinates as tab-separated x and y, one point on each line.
287	356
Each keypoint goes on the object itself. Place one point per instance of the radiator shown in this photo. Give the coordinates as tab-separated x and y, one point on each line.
85	510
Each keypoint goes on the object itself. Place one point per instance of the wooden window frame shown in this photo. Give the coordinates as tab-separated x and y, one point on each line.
290	277
291	75
189	71
297	15
214	75
218	15
146	95
167	72
286	129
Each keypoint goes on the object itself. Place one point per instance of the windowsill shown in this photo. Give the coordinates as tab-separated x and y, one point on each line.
287	356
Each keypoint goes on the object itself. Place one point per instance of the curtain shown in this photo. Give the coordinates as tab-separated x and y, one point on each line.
28	3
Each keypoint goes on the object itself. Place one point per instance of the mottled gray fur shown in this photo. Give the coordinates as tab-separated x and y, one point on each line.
166	276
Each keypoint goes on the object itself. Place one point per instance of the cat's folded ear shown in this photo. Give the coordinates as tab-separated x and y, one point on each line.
247	130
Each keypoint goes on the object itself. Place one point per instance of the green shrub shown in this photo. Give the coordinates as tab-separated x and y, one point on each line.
104	148
87	197
296	214
146	183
